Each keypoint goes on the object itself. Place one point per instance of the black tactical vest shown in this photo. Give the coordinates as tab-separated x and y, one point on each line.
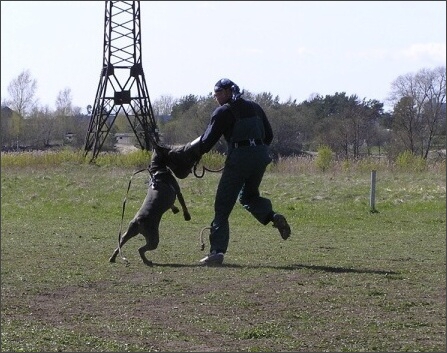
246	128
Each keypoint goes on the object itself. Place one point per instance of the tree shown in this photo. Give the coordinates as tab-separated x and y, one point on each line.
163	106
287	126
64	103
41	127
419	111
183	104
11	127
64	115
22	90
190	117
265	100
344	123
122	124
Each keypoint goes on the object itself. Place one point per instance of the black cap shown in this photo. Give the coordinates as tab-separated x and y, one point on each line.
223	83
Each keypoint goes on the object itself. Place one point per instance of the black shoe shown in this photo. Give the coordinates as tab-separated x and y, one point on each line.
213	258
280	222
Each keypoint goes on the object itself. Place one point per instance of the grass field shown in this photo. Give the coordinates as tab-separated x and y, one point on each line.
347	280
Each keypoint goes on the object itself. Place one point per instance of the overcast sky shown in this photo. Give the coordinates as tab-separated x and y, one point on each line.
292	49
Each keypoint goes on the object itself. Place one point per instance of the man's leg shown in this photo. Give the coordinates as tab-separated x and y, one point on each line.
260	207
226	196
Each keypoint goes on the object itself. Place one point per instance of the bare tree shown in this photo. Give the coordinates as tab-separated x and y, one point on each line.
64	104
63	115
419	101
163	106
434	111
22	90
41	126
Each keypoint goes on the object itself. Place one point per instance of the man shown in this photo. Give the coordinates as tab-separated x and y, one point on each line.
248	133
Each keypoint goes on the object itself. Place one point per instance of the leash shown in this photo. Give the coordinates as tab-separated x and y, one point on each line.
122	216
204	169
202	243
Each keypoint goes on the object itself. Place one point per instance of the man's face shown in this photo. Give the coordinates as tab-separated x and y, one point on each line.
223	96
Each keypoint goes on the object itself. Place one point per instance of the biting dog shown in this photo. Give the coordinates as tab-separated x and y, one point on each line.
163	191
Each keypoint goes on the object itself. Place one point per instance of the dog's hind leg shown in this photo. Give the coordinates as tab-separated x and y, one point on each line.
152	240
132	231
149	227
142	252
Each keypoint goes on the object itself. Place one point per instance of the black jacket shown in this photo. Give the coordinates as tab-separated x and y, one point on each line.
223	120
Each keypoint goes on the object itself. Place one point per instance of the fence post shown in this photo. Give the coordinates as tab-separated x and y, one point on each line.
372	195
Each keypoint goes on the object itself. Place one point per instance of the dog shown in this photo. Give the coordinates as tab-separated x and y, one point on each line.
161	195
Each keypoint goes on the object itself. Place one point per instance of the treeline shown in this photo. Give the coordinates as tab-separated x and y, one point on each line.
351	127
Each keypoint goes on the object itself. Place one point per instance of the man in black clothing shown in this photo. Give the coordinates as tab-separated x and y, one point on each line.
248	133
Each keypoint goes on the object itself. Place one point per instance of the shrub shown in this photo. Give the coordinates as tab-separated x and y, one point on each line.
409	162
324	158
135	159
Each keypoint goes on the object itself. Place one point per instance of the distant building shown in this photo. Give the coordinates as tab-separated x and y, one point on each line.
125	138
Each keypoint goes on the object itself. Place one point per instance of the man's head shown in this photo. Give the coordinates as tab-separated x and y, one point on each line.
222	84
226	90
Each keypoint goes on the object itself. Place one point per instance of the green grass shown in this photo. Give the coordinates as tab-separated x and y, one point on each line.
347	280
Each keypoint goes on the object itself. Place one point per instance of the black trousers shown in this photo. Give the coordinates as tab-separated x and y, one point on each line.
241	178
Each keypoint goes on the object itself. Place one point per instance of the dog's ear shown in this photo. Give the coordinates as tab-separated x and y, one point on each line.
161	151
158	160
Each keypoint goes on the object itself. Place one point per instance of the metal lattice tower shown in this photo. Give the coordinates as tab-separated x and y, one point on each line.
122	86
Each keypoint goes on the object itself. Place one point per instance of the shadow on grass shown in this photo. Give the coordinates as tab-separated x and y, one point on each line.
339	269
288	268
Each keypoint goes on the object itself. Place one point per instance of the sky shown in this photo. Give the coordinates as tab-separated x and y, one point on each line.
291	49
